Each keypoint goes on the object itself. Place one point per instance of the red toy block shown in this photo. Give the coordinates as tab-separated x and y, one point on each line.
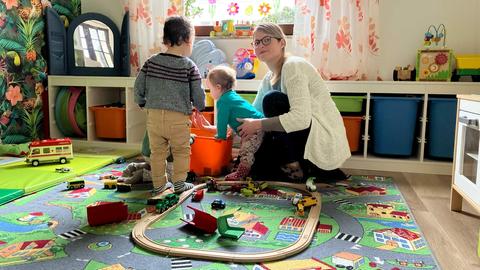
100	213
202	220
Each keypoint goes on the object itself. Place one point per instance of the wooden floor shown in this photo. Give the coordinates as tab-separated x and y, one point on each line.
453	236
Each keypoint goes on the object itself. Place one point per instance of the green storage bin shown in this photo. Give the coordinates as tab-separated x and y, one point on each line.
248	97
349	103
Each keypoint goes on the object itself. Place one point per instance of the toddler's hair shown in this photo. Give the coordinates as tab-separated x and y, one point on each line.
224	76
177	30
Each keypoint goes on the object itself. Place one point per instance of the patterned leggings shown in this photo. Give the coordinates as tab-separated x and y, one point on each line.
249	147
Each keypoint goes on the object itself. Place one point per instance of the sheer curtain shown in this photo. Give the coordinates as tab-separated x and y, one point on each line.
146	28
340	38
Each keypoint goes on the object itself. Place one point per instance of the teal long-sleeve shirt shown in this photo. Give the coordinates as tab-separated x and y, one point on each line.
231	106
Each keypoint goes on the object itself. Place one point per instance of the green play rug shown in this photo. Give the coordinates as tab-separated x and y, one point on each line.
21	178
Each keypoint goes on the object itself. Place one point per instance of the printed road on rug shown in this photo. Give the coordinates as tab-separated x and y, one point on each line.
365	224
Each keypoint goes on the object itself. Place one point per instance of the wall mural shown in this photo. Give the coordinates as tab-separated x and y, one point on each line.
23	69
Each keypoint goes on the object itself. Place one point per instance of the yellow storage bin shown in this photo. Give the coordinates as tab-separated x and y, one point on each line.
468	61
209	102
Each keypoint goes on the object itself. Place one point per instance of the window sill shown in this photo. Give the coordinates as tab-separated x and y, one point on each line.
204	30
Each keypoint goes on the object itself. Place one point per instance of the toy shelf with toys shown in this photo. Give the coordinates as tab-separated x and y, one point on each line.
106	90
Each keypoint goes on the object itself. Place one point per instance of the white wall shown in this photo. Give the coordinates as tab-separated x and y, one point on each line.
402	27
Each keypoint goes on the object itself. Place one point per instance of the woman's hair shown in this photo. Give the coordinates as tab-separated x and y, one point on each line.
224	76
271	29
177	30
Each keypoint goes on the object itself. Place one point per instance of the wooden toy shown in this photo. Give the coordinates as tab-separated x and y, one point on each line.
167	202
228	231
75	184
110	184
404	74
467	65
123	187
197	195
202	220
100	213
434	65
51	150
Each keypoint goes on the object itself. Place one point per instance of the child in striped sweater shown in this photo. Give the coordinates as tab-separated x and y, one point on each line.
168	87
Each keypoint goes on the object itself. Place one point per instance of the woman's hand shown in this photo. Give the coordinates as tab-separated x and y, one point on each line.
248	127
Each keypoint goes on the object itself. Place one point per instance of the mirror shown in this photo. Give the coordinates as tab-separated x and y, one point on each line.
93	45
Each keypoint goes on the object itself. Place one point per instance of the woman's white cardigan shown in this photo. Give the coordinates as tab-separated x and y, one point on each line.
310	102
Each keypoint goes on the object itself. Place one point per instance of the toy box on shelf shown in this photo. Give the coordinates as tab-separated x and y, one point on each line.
467	65
434	63
110	121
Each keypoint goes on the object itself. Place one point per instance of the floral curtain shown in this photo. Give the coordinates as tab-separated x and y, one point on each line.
146	28
340	38
23	69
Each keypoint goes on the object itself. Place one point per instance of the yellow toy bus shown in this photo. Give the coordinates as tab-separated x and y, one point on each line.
76	184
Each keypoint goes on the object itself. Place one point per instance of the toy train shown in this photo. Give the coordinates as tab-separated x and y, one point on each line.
165	203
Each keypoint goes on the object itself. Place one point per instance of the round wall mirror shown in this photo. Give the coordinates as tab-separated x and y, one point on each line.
93	44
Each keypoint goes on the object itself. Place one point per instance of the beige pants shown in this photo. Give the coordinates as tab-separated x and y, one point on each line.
168	129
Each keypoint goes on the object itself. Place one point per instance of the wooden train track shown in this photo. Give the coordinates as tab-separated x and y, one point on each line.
138	234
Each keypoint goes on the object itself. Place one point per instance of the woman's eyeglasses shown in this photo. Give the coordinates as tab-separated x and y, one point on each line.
265	41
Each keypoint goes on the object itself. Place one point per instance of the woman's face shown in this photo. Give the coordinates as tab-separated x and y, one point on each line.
267	48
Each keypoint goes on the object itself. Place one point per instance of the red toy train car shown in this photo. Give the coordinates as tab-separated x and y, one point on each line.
100	213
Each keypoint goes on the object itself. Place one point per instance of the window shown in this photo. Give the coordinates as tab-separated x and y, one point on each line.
46	150
207	12
35	151
58	149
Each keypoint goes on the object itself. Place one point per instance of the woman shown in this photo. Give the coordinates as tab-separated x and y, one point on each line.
305	135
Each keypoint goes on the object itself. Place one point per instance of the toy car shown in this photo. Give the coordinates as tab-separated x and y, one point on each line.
218	204
62	170
123	187
197	195
297	198
310	184
75	184
110	184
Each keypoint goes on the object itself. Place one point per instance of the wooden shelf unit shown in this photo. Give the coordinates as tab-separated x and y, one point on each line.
97	88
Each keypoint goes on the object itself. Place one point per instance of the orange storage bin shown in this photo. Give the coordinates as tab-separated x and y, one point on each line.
209	156
353	127
210	116
110	122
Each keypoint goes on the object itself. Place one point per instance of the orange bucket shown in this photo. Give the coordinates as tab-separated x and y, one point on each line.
209	156
209	116
353	127
110	122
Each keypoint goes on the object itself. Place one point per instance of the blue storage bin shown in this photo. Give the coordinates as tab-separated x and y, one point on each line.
394	120
441	117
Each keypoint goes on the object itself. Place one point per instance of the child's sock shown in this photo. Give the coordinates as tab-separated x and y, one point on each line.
158	190
181	186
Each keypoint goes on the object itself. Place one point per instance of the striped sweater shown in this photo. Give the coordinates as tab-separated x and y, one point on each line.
169	82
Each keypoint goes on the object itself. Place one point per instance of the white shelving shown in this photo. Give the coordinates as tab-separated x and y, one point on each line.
99	90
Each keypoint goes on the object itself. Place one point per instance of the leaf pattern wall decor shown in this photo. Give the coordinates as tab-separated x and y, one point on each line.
23	69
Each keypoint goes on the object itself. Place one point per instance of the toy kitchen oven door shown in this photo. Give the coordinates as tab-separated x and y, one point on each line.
466	177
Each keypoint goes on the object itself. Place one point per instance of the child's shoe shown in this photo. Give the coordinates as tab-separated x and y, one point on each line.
159	190
241	172
181	186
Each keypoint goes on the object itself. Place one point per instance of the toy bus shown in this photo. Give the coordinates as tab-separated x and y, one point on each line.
51	150
76	184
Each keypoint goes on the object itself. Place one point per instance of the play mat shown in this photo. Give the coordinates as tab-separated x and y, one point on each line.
364	224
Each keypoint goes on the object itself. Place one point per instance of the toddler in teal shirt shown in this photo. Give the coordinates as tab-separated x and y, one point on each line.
229	107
